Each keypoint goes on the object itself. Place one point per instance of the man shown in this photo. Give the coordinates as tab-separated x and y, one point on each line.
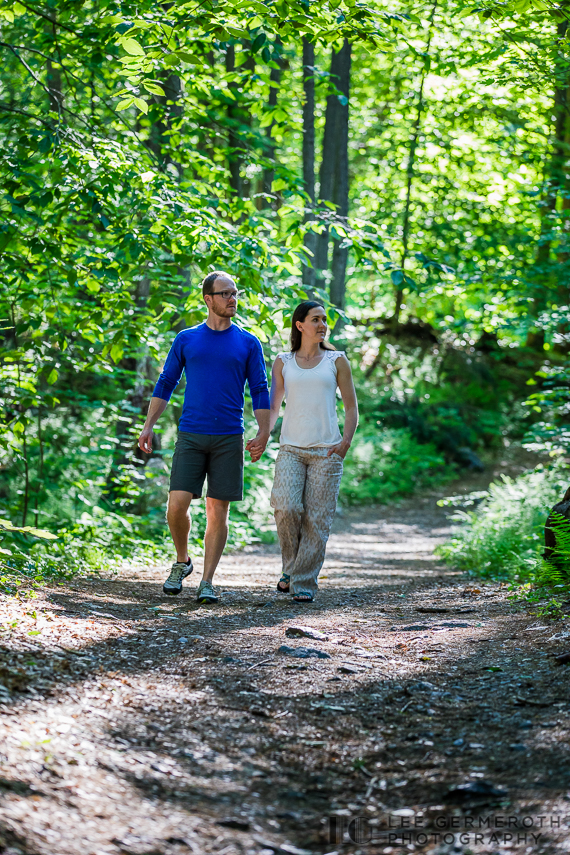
218	357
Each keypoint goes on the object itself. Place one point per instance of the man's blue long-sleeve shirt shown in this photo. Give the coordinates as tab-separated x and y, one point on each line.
217	364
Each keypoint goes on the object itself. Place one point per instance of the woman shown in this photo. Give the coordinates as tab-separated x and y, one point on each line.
309	464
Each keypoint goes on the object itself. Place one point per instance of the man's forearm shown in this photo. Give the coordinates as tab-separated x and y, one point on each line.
262	418
155	409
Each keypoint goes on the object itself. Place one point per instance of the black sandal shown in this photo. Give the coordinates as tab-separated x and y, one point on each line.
285	580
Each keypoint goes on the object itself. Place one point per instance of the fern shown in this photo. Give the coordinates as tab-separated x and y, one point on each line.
556	571
503	537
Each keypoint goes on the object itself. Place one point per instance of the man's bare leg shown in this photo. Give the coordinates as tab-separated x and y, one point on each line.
178	517
217	513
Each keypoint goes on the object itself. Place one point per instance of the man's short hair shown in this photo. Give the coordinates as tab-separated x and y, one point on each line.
208	281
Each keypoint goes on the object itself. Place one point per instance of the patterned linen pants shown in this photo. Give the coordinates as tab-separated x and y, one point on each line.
304	498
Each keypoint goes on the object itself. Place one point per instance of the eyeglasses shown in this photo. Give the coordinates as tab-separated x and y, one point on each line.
225	295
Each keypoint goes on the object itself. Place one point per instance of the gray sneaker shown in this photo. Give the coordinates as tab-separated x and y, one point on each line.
179	571
206	593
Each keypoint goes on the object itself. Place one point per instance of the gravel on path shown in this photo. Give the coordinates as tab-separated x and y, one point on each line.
437	722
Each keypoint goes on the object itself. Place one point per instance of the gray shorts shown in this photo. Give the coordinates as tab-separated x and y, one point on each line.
219	457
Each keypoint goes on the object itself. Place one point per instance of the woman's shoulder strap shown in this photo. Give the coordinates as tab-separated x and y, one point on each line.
285	357
333	355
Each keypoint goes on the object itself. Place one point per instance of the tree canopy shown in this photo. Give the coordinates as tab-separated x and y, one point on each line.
406	165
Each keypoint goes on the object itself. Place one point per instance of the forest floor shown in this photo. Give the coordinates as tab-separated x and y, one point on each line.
139	724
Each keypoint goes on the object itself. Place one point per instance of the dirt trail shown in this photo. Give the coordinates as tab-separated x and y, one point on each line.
139	724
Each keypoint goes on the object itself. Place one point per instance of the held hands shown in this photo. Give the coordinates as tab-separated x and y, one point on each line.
256	446
339	449
145	440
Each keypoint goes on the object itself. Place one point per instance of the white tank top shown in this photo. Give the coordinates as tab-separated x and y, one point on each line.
310	410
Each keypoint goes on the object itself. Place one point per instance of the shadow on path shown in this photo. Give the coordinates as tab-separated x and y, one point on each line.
138	724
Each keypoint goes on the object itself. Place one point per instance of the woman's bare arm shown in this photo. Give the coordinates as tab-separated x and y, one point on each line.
277	392
348	394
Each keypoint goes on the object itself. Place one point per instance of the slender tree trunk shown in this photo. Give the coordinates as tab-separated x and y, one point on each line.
55	96
335	116
26	478
53	73
40	467
245	117
556	182
309	159
341	186
269	170
327	170
126	452
234	158
159	137
556	172
410	173
239	120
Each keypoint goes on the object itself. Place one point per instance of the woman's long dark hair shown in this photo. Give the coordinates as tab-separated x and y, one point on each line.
300	314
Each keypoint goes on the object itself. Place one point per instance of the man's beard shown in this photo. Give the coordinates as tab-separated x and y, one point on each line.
227	312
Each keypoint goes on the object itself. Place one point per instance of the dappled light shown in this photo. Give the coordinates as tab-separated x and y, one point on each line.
133	724
273	271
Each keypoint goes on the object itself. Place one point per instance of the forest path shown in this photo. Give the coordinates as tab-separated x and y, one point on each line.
139	724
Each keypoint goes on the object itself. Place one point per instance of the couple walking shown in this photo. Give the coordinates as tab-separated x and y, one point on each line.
218	357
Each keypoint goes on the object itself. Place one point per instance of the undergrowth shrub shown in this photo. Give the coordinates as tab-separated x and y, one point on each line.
503	538
390	463
103	540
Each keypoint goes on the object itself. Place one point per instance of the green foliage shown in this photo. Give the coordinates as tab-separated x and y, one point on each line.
141	146
390	463
503	538
552	403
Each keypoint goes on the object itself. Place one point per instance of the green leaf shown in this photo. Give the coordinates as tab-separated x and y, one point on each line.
28	529
116	352
153	87
185	56
397	277
52	377
132	46
142	105
124	103
258	42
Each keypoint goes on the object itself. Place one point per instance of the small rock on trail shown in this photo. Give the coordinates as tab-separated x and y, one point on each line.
298	631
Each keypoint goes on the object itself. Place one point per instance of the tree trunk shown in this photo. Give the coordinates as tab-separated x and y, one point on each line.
410	173
556	172
341	188
126	451
234	157
309	160
239	119
55	95
550	279
336	117
269	170
159	139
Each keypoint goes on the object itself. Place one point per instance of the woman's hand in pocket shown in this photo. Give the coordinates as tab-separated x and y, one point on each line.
339	449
